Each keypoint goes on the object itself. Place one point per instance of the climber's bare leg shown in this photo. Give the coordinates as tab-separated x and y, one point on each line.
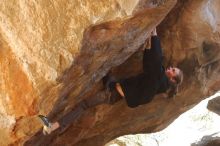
119	90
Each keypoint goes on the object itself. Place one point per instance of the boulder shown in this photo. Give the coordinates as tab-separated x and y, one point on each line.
55	53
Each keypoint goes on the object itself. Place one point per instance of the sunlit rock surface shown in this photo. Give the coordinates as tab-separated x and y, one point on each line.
54	53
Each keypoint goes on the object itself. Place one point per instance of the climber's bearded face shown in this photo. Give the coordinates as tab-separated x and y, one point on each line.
171	73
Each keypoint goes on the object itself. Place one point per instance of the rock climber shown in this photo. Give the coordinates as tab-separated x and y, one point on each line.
136	90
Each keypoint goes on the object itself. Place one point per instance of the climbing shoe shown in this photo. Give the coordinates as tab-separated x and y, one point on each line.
46	124
44	120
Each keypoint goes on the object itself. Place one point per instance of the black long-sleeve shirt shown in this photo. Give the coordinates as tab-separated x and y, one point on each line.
141	89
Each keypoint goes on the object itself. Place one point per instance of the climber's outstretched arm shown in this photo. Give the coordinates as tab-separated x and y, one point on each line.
155	44
152	56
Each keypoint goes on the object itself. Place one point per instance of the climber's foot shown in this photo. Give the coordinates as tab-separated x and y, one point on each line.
44	120
46	125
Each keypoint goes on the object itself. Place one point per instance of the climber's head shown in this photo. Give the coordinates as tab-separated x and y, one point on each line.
175	75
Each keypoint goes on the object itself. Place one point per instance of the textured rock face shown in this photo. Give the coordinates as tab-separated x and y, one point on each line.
208	141
214	105
54	54
39	41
